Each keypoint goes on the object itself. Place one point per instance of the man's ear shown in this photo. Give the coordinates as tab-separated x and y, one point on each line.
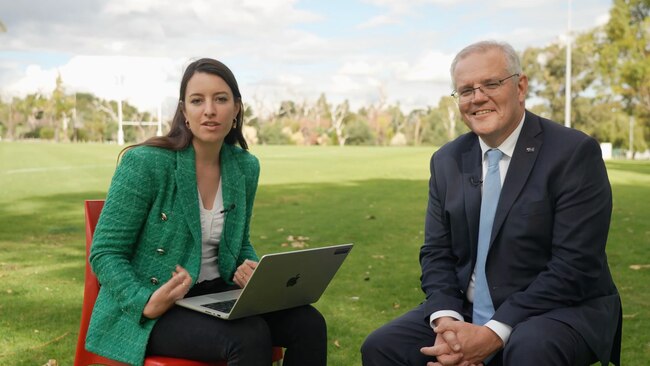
522	87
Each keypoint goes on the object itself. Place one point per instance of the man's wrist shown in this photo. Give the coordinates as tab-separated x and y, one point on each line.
502	330
437	321
444	314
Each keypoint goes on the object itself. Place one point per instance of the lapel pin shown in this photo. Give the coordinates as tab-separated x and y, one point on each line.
530	149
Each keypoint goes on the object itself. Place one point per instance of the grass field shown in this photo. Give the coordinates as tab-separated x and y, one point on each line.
374	197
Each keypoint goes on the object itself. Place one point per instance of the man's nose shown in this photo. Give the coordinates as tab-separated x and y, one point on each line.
479	95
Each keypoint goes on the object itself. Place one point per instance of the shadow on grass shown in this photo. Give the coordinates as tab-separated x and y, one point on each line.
44	248
36	217
378	282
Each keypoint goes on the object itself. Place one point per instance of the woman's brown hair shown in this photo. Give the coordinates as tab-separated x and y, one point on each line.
179	136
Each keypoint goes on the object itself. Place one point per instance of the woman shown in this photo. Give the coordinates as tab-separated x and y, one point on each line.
175	224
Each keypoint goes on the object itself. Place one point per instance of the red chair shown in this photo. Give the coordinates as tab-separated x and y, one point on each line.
91	288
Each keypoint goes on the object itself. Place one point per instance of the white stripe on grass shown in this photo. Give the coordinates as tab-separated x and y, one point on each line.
57	168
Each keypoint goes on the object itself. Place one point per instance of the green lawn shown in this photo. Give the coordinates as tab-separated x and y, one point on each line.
374	197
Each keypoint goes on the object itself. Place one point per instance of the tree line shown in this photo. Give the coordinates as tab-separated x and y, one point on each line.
610	99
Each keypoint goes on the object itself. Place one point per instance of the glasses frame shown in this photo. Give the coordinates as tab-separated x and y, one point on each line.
481	87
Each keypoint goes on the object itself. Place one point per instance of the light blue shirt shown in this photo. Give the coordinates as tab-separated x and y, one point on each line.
507	148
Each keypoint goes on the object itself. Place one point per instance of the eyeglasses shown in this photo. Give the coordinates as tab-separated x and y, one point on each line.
489	88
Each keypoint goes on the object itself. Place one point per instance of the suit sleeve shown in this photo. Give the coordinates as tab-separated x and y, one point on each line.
124	213
437	259
582	204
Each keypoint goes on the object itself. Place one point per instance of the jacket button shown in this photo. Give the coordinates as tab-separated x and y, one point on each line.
154	280
160	251
163	216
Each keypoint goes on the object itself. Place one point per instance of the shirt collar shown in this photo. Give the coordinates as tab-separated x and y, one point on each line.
507	147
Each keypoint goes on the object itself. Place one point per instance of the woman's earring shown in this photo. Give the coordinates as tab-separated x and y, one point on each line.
187	124
234	123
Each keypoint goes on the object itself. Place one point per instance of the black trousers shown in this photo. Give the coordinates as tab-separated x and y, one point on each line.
185	333
537	341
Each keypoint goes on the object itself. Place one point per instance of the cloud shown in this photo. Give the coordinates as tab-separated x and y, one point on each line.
378	21
432	66
140	27
412	81
278	49
127	7
35	80
398	10
401	6
602	19
142	81
528	4
360	68
143	39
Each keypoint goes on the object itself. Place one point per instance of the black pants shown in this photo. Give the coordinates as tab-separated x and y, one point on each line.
537	341
185	333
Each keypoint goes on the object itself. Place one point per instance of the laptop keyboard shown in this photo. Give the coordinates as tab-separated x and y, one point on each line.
223	306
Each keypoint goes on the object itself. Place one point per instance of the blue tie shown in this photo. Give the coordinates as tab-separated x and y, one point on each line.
483	308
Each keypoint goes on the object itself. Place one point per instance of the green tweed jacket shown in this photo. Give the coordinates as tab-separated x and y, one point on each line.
149	224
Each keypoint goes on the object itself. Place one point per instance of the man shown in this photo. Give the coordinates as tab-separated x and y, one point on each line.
513	263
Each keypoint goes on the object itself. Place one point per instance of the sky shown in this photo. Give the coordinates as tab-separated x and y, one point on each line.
365	51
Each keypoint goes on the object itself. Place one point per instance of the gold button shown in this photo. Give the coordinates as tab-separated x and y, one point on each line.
154	280
160	251
163	216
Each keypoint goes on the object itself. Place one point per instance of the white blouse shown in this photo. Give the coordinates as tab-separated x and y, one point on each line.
211	229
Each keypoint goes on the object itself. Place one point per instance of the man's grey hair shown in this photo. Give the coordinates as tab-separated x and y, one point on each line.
512	59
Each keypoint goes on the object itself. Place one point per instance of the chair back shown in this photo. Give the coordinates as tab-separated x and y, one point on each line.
91	288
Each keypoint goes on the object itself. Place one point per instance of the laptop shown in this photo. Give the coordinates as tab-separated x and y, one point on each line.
280	281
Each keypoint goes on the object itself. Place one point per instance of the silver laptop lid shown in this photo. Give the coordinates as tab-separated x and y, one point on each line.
289	279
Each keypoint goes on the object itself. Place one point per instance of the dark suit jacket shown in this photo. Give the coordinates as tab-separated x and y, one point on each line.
547	252
149	224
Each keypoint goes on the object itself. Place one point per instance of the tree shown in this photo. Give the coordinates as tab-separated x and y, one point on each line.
595	110
94	124
545	68
359	133
396	121
321	112
340	117
270	133
61	106
624	53
315	124
442	124
28	117
449	114
414	125
376	119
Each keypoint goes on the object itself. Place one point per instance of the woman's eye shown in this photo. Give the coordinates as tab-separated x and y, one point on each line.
222	99
195	101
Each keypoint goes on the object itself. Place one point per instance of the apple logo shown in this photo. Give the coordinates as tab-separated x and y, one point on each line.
293	280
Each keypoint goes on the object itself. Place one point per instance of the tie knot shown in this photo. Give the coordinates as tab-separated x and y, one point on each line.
493	156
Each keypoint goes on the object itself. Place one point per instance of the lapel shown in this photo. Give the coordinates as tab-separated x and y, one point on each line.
523	159
233	187
471	168
188	196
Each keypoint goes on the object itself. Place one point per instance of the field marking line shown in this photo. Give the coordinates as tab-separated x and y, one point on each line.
49	169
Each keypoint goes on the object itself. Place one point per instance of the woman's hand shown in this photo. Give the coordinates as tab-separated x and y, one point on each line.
244	273
166	295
